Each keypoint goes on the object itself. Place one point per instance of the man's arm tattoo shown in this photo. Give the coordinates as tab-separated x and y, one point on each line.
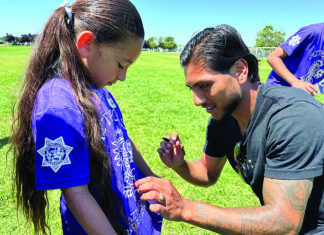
285	203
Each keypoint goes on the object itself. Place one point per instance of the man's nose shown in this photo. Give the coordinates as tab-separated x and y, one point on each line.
199	99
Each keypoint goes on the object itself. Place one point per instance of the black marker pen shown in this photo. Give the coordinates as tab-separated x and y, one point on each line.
169	141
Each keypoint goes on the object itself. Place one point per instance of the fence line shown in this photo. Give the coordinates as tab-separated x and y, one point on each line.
259	52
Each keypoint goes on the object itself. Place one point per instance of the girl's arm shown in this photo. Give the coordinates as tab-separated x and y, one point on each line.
277	64
140	162
86	210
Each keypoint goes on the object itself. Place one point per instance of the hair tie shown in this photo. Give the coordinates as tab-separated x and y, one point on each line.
67	8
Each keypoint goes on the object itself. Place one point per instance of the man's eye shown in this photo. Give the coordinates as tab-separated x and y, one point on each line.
120	66
204	86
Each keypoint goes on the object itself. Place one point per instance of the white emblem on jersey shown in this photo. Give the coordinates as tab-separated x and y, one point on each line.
294	40
315	71
55	153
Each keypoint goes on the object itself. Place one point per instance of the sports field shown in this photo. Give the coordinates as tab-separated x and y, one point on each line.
155	102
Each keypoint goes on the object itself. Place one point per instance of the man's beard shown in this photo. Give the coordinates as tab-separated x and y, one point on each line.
231	105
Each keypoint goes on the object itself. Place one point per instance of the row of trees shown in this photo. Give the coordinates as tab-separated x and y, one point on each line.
164	43
267	37
151	43
25	38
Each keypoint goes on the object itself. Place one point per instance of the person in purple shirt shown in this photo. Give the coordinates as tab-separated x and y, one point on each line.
299	61
69	132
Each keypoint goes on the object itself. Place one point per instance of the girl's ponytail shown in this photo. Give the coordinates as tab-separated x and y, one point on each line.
46	52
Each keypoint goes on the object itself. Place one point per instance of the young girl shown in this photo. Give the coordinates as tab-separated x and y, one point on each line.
68	129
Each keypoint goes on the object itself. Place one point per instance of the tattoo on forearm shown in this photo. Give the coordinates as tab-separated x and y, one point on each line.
285	203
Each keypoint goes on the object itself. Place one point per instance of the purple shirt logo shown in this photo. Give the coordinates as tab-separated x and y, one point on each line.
55	153
294	40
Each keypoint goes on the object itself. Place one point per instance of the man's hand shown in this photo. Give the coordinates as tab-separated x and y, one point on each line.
171	205
172	155
283	212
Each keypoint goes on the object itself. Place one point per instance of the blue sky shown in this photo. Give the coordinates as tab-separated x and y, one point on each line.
181	18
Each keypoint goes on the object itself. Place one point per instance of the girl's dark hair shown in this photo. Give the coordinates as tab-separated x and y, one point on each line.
217	49
110	21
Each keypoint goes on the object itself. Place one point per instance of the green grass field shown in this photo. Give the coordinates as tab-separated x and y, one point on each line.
155	102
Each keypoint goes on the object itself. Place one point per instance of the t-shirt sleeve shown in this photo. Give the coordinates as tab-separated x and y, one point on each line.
299	40
212	147
61	154
294	144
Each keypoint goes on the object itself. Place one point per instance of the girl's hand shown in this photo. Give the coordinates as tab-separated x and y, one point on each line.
172	154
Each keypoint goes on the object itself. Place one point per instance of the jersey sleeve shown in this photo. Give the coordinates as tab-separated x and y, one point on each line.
61	154
294	143
299	40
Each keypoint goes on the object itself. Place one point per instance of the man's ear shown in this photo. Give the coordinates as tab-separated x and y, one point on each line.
240	69
84	40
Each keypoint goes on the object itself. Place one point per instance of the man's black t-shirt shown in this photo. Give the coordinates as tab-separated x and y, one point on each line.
284	140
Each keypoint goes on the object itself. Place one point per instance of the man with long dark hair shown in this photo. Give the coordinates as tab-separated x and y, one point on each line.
279	134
